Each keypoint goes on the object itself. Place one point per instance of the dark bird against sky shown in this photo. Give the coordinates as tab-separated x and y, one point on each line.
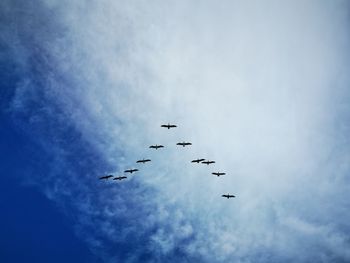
119	178
183	144
106	177
131	171
168	126
208	162
228	196
218	174
144	161
156	146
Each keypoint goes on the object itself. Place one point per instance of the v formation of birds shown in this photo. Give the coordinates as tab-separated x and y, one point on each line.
156	147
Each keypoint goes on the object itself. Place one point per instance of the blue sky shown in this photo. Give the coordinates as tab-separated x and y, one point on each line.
260	87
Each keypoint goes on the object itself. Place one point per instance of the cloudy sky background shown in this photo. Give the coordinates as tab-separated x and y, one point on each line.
261	87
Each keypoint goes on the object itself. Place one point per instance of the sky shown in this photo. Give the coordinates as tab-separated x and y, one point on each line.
261	87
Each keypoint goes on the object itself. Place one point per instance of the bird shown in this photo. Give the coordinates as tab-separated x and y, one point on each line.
183	144
228	196
218	174
197	160
119	178
106	177
168	126
131	171
143	161
208	162
156	146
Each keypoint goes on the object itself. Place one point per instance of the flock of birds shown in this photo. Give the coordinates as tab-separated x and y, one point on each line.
156	147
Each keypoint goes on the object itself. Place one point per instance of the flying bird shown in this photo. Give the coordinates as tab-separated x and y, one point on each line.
228	196
218	174
144	161
197	160
183	144
119	178
106	177
208	162
156	146
168	126
131	171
